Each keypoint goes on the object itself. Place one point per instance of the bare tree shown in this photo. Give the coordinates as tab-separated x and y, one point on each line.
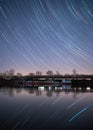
74	72
11	72
6	73
0	74
38	73
19	74
49	72
57	72
31	74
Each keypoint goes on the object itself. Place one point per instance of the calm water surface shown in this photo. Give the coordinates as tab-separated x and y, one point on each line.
45	108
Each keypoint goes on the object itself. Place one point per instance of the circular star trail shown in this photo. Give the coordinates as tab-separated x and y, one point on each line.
46	35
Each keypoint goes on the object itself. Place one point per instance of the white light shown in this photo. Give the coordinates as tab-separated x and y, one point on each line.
88	88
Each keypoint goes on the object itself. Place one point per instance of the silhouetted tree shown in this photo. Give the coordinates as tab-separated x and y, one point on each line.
74	72
57	72
38	73
31	74
19	74
49	72
11	72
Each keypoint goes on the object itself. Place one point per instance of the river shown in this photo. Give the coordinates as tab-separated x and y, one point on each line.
45	108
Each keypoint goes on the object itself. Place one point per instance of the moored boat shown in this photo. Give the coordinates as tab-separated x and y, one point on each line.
27	83
66	82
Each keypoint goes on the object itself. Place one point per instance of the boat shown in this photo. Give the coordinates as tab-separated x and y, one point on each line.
56	83
27	83
37	83
66	82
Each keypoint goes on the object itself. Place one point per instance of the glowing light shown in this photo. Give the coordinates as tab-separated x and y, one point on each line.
88	88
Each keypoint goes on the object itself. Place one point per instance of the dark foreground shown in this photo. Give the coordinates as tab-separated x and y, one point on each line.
45	108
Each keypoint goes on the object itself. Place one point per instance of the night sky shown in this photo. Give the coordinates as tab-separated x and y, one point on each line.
46	35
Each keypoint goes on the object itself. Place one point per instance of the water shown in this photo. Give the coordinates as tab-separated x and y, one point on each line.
45	108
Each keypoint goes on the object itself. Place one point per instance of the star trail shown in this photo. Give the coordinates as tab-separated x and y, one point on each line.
46	35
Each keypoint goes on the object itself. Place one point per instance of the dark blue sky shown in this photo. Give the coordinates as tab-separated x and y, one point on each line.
46	35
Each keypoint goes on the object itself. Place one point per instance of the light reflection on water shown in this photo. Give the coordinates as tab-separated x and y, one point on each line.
45	107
